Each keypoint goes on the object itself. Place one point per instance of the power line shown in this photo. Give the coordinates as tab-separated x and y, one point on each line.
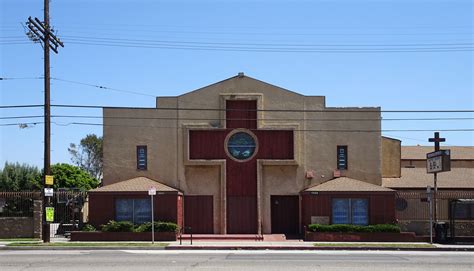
21	123
296	130
20	78
22	117
327	110
278	50
264	119
236	119
20	106
171	42
103	87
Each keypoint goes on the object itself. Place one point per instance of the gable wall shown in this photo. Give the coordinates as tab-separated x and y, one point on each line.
315	149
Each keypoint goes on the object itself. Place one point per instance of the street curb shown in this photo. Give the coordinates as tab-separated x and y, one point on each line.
292	248
79	248
250	248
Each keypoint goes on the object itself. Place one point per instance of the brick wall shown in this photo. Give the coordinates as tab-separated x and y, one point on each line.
37	218
16	227
22	227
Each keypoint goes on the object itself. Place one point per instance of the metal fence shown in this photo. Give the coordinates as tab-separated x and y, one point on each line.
68	208
17	204
414	205
413	210
67	211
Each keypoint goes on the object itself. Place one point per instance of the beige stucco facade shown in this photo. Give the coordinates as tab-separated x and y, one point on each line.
391	152
318	130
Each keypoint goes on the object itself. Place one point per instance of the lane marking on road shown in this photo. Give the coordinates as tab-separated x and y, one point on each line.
44	252
319	252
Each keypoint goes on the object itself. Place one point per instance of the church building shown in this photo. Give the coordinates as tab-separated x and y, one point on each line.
242	156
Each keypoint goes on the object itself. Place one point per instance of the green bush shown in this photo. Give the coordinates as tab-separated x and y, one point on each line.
88	227
159	227
353	228
121	226
127	226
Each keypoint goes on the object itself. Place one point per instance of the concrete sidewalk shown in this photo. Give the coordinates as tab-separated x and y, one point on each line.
252	245
301	245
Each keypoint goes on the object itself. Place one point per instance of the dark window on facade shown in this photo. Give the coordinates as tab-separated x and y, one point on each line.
464	211
142	160
341	157
137	211
350	211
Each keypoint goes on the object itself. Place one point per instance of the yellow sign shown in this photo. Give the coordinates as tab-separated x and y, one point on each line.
49	180
49	214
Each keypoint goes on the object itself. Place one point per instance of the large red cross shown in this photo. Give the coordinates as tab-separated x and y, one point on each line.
241	177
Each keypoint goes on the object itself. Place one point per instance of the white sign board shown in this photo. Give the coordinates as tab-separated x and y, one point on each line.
48	192
434	164
152	191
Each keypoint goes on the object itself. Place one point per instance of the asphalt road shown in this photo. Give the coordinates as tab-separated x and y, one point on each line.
234	260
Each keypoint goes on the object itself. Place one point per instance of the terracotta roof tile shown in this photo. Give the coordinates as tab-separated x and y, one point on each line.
418	178
343	184
138	184
419	152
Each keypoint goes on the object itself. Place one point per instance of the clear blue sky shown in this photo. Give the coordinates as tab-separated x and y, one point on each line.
94	54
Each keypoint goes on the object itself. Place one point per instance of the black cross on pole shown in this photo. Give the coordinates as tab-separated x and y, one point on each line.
436	139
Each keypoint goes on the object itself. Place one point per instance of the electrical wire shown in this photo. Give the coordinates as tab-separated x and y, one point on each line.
327	110
237	119
20	106
103	87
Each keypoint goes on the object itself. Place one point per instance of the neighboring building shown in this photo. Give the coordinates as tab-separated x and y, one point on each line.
410	179
245	157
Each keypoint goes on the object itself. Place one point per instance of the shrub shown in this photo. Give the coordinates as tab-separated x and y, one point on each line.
121	226
353	228
159	227
88	227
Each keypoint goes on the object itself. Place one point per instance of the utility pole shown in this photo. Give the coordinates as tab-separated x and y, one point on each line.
43	33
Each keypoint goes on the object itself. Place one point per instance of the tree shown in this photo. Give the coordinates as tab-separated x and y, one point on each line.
69	176
88	155
19	177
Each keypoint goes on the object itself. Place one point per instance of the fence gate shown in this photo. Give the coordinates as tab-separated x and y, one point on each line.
68	215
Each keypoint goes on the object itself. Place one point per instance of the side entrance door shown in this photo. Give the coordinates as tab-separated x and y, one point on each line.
285	214
198	214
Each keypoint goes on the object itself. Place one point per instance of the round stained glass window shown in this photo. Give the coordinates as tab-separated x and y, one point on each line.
241	146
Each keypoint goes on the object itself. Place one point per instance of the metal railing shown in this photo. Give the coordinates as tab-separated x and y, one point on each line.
181	231
17	204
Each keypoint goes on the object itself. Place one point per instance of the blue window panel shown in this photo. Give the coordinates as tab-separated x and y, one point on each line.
241	146
137	211
340	211
342	157
142	162
124	210
360	211
142	211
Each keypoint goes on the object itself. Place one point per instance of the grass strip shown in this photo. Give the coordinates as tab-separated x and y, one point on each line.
394	245
82	244
19	240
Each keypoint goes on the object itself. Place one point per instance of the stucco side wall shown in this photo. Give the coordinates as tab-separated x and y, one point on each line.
205	180
125	129
391	155
280	181
324	131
